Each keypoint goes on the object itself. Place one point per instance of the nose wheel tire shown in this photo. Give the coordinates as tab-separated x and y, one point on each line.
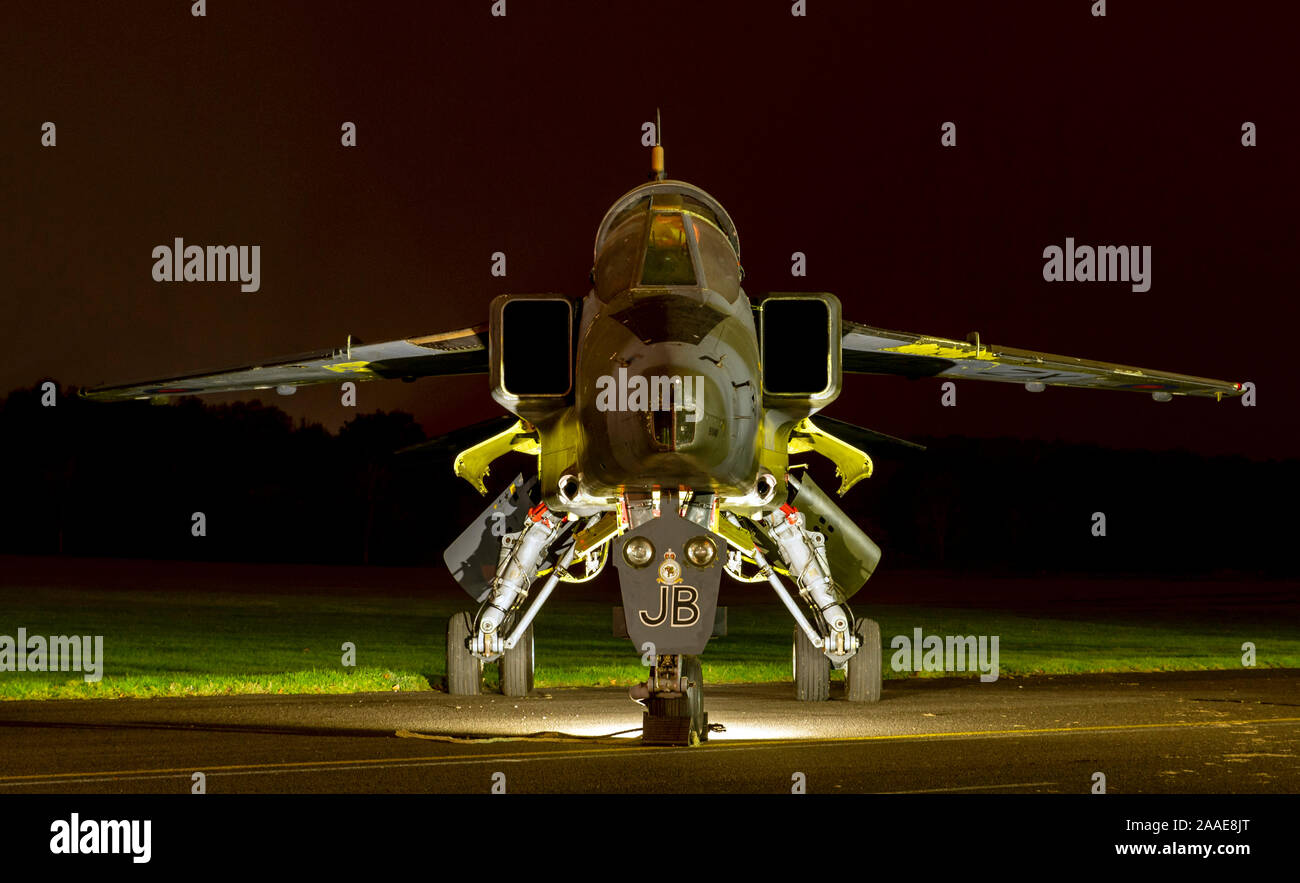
864	674
517	667
694	671
464	671
812	670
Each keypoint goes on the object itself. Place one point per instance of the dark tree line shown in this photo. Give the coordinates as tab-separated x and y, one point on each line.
90	479
1013	506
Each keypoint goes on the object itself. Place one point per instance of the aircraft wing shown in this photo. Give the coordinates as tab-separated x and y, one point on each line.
868	350
454	352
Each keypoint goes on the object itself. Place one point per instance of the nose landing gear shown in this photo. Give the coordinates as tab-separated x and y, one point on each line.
673	696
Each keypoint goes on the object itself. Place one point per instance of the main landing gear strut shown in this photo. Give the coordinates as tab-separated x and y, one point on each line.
502	632
833	638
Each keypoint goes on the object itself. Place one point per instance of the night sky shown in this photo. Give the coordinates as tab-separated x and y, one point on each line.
819	134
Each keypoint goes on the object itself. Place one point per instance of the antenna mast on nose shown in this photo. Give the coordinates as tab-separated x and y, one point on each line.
657	153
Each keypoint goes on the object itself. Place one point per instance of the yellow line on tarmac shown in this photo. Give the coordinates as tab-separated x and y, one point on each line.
1100	728
234	767
738	744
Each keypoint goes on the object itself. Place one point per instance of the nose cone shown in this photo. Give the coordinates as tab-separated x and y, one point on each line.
666	399
666	393
668	417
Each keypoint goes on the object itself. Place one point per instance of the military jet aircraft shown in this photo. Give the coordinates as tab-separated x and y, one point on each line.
663	410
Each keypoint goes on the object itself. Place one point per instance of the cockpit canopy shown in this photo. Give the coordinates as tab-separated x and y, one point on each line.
666	234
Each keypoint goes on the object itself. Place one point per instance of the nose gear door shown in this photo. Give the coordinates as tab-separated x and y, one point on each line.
669	572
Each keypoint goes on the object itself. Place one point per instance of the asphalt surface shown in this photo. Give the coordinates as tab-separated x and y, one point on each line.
1203	732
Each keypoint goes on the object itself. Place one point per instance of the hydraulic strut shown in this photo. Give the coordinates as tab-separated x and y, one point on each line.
522	555
804	552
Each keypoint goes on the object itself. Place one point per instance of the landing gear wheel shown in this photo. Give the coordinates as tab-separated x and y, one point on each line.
517	667
679	719
694	671
812	670
464	670
864	673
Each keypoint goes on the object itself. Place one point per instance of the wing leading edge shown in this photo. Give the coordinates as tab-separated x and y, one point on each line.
868	350
455	352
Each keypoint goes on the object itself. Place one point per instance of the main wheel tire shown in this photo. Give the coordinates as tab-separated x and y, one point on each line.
464	670
864	674
693	668
812	670
517	667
